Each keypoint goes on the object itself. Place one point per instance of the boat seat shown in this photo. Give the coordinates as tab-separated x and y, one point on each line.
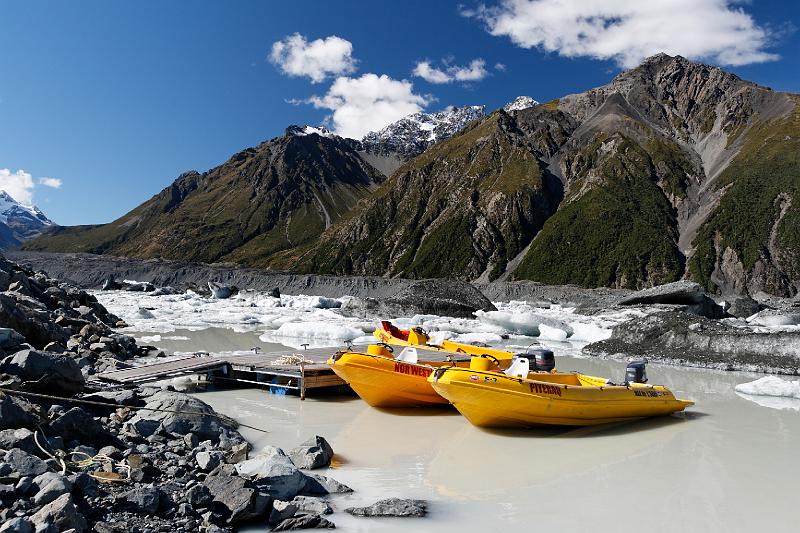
520	367
408	355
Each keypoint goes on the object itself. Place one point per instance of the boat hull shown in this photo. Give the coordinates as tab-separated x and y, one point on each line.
383	382
491	399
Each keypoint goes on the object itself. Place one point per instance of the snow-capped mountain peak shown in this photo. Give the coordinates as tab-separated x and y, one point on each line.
10	208
19	222
413	134
302	131
519	103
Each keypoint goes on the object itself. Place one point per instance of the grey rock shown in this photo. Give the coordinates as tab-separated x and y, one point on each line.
16	412
392	507
206	425
198	496
209	460
9	338
743	307
237	496
18	438
45	372
307	505
313	453
304	522
684	293
141	499
24	463
51	486
425	297
77	424
274	473
322	485
60	513
24	486
191	440
281	511
17	525
275	292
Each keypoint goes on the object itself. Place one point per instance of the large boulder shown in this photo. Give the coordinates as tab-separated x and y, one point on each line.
142	499
9	338
21	438
61	514
391	507
45	372
274	472
24	463
77	424
306	521
30	318
681	338
425	297
322	485
236	497
313	453
179	413
743	307
50	486
16	412
682	293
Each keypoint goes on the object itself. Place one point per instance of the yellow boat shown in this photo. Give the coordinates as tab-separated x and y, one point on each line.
385	379
518	398
394	372
417	337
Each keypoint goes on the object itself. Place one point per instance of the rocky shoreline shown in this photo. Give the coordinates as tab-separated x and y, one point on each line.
78	456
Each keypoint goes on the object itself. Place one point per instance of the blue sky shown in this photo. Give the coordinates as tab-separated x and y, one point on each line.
114	99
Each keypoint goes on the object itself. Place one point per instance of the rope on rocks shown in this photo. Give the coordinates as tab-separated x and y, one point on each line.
224	418
294	359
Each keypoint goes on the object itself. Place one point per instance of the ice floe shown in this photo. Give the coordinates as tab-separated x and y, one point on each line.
295	320
772	392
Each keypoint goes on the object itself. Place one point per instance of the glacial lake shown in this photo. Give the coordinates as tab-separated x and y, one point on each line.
727	464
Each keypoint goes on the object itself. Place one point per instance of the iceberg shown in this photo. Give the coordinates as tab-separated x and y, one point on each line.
771	386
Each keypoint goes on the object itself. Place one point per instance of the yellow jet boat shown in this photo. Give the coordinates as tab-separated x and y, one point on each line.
520	398
394	372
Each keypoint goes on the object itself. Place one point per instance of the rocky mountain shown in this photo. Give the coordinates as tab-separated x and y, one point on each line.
388	148
672	170
19	222
278	195
519	103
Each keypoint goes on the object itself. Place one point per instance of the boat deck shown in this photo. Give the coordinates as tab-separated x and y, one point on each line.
280	368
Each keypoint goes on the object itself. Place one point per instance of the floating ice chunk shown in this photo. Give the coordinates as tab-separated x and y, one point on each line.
519	323
552	333
437	337
584	332
317	330
771	386
150	338
307	302
478	338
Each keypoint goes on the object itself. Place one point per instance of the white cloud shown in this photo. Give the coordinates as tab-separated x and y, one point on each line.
317	59
627	31
55	183
500	67
475	71
368	103
18	184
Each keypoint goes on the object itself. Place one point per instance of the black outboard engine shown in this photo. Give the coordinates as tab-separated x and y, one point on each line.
636	372
541	359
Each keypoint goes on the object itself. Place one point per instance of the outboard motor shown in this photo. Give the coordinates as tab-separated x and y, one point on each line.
541	359
636	372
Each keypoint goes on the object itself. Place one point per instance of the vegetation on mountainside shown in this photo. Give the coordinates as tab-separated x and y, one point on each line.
467	204
278	195
763	177
617	229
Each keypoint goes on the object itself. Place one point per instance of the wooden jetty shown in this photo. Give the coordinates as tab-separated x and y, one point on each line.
288	369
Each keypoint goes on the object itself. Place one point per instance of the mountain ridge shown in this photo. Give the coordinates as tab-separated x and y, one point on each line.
638	182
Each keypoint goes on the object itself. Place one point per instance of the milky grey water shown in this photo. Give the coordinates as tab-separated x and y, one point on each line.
728	464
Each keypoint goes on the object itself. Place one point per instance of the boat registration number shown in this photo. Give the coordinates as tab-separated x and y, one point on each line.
412	370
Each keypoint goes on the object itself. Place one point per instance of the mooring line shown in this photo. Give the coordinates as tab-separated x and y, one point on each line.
222	417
